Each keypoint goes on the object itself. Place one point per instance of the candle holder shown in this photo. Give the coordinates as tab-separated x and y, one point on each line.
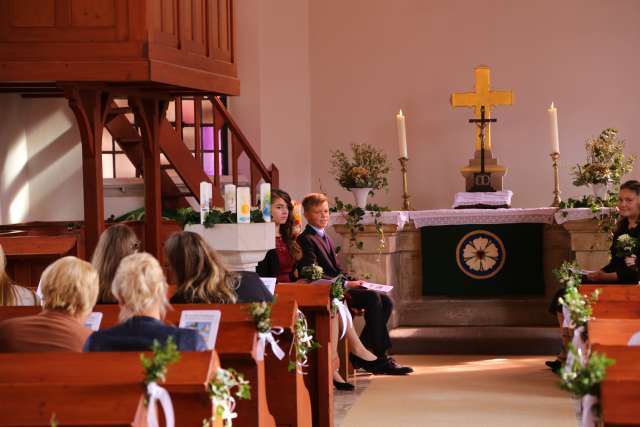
555	157
406	205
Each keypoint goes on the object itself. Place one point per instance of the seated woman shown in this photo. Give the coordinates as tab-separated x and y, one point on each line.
201	278
280	263
10	293
623	270
69	288
140	288
116	242
620	270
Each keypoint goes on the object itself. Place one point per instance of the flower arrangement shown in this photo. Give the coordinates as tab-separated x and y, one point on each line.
186	216
303	343
626	246
580	307
367	168
155	368
337	288
568	274
261	314
220	390
606	162
311	272
582	379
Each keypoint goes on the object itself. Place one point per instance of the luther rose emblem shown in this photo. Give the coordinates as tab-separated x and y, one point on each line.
480	254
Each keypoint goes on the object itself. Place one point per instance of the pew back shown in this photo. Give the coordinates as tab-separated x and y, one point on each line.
619	293
612	331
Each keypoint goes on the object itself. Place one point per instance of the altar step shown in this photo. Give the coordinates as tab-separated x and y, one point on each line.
499	311
485	340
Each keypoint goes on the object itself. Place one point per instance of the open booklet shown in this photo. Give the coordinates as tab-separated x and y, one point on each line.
204	321
270	283
93	321
581	271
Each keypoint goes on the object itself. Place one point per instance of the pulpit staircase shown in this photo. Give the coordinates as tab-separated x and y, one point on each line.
181	168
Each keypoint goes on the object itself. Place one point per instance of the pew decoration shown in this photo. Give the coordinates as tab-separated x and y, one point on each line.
221	391
187	216
312	272
339	305
302	344
583	378
261	314
155	369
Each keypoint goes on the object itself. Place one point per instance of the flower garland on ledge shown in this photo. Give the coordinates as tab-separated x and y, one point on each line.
155	369
186	216
220	390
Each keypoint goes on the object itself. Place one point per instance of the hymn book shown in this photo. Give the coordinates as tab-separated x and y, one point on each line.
206	322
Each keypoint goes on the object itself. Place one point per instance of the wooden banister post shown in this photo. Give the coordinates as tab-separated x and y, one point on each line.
275	176
149	113
91	106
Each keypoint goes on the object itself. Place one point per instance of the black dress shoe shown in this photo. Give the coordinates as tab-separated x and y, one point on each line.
394	368
373	366
554	365
343	386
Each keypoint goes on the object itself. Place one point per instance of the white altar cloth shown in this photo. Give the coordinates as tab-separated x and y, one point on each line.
399	218
577	214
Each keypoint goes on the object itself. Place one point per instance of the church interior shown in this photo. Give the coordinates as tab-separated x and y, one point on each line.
319	213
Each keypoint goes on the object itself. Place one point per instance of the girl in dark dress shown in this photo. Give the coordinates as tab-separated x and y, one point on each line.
202	279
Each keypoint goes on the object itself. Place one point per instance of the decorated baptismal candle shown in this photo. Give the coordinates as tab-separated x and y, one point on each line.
297	216
230	198
265	201
243	200
206	192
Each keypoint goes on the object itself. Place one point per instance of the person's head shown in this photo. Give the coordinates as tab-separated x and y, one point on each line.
629	199
115	243
316	209
282	212
139	287
70	285
7	293
200	275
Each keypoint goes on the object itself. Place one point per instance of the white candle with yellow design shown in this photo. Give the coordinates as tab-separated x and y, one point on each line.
206	191
265	201
243	199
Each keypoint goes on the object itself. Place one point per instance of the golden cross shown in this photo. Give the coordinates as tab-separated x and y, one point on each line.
483	96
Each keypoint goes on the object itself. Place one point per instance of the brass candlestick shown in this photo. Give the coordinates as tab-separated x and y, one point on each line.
555	157
406	205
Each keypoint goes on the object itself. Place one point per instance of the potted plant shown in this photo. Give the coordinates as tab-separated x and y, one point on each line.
606	163
364	172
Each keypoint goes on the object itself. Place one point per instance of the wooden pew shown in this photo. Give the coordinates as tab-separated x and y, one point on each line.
608	292
313	301
616	310
106	379
612	331
620	390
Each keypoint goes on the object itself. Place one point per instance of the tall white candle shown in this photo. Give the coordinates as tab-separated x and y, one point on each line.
206	192
553	129
243	199
265	201
402	135
230	198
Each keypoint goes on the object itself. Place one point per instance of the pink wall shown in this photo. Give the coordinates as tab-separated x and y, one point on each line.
371	58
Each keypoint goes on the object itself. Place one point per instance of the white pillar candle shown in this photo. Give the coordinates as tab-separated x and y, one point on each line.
243	199
553	129
230	198
206	191
265	201
402	135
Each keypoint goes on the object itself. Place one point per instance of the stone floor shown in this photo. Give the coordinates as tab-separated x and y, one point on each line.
344	400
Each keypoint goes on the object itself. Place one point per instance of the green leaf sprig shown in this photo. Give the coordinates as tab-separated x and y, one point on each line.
303	344
311	272
261	314
582	379
221	391
579	306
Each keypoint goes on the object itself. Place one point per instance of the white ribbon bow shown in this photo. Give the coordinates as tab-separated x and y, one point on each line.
345	315
268	337
566	317
581	348
228	407
160	394
588	418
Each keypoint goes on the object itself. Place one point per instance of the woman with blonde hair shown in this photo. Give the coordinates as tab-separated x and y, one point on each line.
10	293
201	278
116	242
69	289
140	288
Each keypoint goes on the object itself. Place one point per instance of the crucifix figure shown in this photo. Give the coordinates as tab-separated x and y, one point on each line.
482	180
483	98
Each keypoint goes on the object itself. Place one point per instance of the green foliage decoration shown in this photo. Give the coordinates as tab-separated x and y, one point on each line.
220	389
582	379
366	169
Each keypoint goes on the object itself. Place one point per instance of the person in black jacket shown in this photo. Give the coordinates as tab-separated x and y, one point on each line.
140	288
202	279
317	248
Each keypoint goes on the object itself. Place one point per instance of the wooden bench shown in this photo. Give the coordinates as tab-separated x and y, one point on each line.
99	388
313	301
608	292
620	390
616	310
612	331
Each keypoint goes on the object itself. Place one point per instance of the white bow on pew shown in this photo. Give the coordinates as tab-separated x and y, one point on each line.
345	315
268	337
161	395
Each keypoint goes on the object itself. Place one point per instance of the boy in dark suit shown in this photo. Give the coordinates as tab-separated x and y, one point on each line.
318	248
